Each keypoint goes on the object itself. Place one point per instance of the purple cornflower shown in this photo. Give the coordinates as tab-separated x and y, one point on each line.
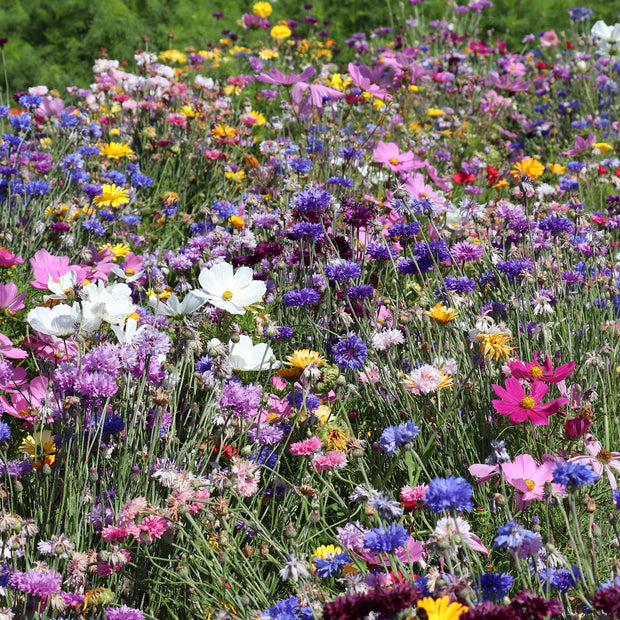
460	285
96	385
383	539
92	190
448	493
343	271
301	400
514	267
393	437
123	613
360	292
306	229
560	579
296	298
350	353
514	537
463	252
556	225
380	252
572	277
37	188
494	586
36	583
5	432
241	400
312	200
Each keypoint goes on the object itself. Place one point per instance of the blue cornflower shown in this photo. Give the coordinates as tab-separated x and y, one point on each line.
73	161
107	215
380	252
92	190
306	229
295	298
37	188
68	120
494	586
283	610
343	271
30	101
95	226
225	209
326	567
425	255
460	285
383	539
350	353
514	537
300	399
20	122
141	180
360	292
403	231
514	267
448	493
118	178
393	437
556	225
385	505
5	431
301	164
312	200
89	151
560	579
203	364
615	495
573	475
280	332
4	111
132	220
340	181
568	183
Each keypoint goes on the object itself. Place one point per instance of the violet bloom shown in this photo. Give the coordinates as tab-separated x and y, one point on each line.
369	80
309	96
36	583
273	76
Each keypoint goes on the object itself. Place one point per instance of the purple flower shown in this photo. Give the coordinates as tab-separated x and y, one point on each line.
241	400
343	271
296	298
306	229
123	613
393	437
312	200
36	583
448	493
350	353
464	252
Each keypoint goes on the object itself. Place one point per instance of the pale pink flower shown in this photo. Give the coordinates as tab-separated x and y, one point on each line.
550	39
177	119
388	338
330	460
247	477
600	460
423	380
200	497
448	528
528	477
132	509
10	298
112	533
306	446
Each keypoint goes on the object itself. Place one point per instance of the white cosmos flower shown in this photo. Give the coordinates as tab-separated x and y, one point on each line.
609	34
127	332
106	303
62	287
59	321
228	290
245	355
173	307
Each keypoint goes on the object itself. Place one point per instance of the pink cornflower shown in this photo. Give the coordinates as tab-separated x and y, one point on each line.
599	459
306	446
330	460
174	118
412	497
112	533
10	298
521	406
247	477
528	477
423	380
534	371
388	153
132	509
151	528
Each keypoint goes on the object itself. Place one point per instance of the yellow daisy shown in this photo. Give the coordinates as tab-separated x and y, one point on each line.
119	250
495	345
300	360
112	196
116	150
441	608
38	444
531	167
441	313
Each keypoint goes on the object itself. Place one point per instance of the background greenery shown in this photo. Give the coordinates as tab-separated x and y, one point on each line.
55	43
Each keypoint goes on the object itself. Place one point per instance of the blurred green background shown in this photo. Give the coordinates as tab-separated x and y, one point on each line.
55	42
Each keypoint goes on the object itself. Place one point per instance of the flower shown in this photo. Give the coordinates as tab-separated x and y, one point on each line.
495	345
111	196
38	444
245	355
494	586
383	539
533	371
123	613
116	150
441	608
528	477
350	353
448	493
281	31
293	568
10	299
306	447
393	437
573	475
456	532
442	314
330	460
521	407
229	291
173	307
60	321
426	379
528	166
601	461
262	9
388	153
514	537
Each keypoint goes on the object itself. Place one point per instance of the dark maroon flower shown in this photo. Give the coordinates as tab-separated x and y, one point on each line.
576	427
607	600
530	605
490	611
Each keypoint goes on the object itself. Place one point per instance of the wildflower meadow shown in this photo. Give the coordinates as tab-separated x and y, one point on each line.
288	337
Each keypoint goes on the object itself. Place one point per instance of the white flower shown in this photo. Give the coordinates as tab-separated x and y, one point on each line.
230	291
173	307
608	34
127	332
60	321
61	287
388	338
111	304
245	355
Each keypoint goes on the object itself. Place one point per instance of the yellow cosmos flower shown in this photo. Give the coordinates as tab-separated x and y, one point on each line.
38	444
495	345
119	250
262	9
173	56
112	196
603	146
281	31
116	150
531	167
441	608
441	313
435	112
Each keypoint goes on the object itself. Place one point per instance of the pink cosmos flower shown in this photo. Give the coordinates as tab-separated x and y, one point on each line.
8	259
453	529
528	477
10	299
273	76
309	96
367	79
521	406
306	447
98	263
581	145
25	400
45	264
534	371
330	460
550	39
51	348
7	349
600	460
388	153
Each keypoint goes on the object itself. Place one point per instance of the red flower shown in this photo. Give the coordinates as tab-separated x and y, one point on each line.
461	178
521	406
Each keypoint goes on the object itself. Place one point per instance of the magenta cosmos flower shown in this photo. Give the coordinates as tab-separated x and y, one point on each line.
535	371
521	406
388	153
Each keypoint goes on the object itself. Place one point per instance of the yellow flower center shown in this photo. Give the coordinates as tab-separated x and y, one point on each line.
394	161
527	403
226	295
530	484
536	372
130	271
604	457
